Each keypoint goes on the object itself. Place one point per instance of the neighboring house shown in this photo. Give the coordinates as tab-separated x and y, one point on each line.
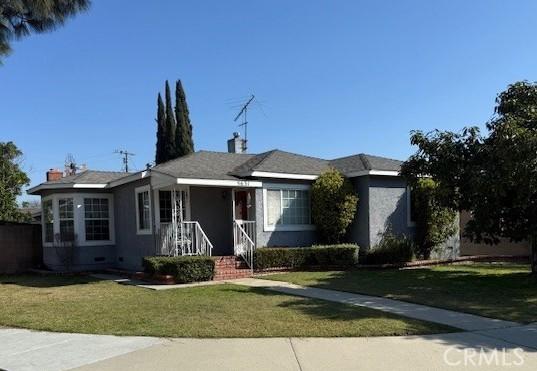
212	203
34	212
504	247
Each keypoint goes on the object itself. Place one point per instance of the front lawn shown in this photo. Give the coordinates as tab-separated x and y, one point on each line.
86	305
504	291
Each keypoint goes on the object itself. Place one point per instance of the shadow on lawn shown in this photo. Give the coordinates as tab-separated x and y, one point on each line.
506	294
31	280
327	310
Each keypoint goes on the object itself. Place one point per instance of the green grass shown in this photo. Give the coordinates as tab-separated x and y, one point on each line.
504	291
85	305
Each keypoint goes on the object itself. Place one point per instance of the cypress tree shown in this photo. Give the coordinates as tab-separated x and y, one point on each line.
169	146
183	136
161	131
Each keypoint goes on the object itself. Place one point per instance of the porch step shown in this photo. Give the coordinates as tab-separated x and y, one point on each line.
230	267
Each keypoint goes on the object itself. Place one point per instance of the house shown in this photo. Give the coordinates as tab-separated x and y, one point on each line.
211	203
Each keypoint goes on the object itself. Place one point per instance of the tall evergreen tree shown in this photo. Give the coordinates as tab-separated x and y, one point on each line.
183	135
169	143
161	131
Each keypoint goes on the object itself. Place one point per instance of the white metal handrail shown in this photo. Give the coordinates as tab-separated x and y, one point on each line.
244	245
184	238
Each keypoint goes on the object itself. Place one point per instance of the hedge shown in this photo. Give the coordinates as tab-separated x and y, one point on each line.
391	250
344	255
184	268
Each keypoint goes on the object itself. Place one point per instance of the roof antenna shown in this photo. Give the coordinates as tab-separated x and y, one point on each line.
70	165
243	112
125	155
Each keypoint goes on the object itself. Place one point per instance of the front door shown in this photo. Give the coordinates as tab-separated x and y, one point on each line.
241	205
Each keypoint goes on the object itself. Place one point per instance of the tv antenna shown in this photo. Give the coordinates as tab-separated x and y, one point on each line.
125	155
243	112
70	165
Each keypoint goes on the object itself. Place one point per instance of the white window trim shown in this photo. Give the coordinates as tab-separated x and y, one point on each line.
79	217
137	191
409	221
283	227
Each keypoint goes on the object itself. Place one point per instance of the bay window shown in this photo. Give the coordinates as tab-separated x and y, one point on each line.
48	221
96	219
67	219
86	218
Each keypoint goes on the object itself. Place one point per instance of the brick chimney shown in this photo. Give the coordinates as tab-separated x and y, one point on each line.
54	174
236	144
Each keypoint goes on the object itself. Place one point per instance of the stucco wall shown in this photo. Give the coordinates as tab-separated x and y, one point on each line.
212	208
130	246
387	207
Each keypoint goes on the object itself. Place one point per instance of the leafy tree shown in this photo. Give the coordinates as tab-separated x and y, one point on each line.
333	205
19	18
183	134
169	144
494	177
12	179
161	155
434	222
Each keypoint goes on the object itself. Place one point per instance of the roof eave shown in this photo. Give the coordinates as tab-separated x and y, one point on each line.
373	172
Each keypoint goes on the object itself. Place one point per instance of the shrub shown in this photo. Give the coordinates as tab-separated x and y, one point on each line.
183	268
391	250
434	223
344	255
333	205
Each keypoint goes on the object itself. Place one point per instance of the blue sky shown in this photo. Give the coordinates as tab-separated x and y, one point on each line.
335	77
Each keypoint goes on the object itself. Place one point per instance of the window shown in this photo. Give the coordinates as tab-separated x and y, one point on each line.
97	219
143	210
286	208
67	220
48	220
165	206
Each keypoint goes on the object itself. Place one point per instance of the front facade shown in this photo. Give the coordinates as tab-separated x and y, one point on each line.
209	203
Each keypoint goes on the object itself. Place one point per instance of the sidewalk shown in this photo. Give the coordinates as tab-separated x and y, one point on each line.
417	353
464	321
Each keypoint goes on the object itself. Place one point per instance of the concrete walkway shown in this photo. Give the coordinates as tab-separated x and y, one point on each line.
417	353
464	321
36	350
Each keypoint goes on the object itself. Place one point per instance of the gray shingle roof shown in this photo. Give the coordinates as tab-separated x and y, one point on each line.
204	165
235	166
277	161
91	177
363	162
223	165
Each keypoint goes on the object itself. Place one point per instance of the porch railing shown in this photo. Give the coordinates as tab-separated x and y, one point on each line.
243	239
185	238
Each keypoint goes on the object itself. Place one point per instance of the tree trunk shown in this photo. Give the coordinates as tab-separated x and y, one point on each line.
533	255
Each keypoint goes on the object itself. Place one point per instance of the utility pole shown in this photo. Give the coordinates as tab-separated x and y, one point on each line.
243	112
125	155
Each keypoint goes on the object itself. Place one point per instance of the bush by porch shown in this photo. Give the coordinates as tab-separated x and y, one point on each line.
184	269
342	256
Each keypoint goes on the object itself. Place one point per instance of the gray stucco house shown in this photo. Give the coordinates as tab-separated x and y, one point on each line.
218	203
